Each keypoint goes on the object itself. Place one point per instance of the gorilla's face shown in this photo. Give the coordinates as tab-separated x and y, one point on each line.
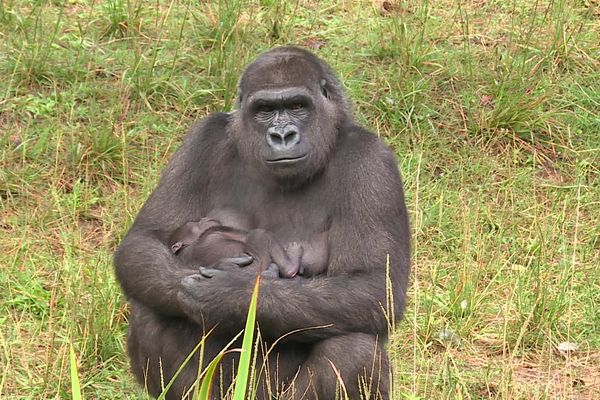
287	119
281	117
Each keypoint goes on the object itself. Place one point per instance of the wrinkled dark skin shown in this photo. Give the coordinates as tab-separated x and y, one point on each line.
292	161
206	242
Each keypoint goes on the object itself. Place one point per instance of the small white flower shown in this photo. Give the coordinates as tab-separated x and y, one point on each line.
566	348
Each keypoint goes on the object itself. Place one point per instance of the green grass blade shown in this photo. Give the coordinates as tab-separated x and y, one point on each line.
75	387
165	390
241	381
201	374
204	392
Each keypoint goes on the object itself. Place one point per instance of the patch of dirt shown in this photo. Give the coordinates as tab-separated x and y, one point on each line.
575	379
549	172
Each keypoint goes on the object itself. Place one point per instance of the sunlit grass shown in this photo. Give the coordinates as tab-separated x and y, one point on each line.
491	107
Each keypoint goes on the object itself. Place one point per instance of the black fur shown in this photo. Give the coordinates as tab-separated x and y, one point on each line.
223	233
318	173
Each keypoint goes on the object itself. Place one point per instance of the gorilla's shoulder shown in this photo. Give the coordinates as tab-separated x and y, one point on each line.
364	146
369	165
204	143
208	136
212	126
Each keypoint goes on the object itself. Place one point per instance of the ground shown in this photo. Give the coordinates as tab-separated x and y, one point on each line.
492	108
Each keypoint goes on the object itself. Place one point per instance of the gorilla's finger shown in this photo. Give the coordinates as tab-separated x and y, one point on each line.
191	281
211	272
242	260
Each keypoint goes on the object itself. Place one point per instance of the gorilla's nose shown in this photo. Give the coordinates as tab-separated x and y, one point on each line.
283	138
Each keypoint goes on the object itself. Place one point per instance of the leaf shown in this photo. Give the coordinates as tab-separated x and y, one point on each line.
75	387
163	394
207	375
241	381
204	392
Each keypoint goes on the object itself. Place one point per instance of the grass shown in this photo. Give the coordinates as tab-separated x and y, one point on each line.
493	110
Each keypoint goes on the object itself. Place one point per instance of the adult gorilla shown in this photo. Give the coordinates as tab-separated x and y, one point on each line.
293	162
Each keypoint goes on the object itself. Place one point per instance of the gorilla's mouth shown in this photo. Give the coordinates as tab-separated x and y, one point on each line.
287	160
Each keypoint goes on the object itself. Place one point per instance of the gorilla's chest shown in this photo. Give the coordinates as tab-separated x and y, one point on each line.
291	215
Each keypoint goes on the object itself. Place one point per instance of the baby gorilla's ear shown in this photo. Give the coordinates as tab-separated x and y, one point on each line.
175	247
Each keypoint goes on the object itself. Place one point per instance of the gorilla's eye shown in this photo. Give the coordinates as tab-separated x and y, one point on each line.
296	106
265	109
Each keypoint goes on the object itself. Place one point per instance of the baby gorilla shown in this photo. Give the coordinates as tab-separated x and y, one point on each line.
210	240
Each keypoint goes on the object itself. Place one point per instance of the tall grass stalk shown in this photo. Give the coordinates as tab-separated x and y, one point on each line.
241	381
75	387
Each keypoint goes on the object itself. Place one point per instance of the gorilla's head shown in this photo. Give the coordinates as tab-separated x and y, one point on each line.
290	106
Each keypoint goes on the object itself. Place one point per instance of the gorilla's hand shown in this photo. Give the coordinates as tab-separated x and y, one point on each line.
201	295
187	297
227	265
242	260
232	265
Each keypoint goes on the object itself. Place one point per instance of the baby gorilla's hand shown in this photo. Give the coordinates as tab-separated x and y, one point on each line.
294	251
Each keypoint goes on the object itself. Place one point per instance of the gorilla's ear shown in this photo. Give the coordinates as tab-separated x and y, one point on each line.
324	90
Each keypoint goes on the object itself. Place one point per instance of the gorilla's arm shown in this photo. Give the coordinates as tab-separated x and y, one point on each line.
371	224
150	273
145	266
332	305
